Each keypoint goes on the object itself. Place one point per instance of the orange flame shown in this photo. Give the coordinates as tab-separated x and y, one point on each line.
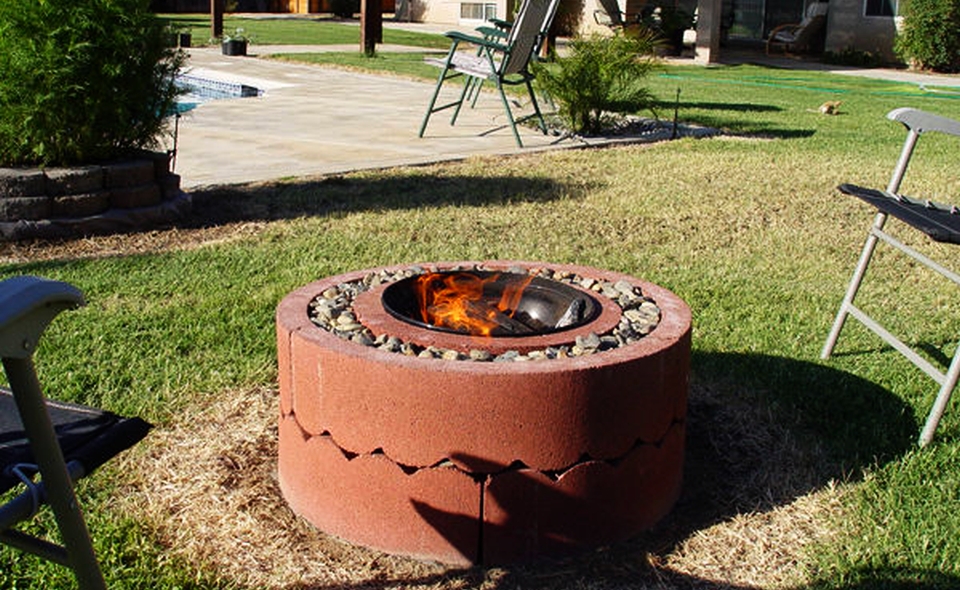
457	301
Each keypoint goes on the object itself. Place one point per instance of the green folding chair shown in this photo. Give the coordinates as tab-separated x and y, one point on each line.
59	442
938	221
502	61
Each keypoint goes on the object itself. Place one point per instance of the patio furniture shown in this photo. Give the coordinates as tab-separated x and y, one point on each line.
805	36
501	30
608	14
60	442
505	63
938	221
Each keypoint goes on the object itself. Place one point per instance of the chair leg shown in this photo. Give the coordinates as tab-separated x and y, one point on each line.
506	106
433	101
855	282
47	453
943	398
467	86
474	94
536	108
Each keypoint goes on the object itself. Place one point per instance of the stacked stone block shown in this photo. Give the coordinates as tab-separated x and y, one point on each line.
46	202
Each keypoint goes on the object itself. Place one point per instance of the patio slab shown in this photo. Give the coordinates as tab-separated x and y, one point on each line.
314	121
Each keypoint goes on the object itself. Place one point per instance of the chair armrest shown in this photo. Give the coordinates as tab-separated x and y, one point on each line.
492	33
922	121
785	27
27	306
503	25
459	37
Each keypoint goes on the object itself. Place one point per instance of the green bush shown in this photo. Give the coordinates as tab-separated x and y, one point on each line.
82	80
850	56
602	75
931	34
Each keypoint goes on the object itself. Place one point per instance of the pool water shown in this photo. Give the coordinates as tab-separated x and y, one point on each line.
200	90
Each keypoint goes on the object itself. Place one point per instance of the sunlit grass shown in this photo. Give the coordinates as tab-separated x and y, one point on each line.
747	228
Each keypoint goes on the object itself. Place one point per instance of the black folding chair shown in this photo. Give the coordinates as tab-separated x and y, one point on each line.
938	221
60	442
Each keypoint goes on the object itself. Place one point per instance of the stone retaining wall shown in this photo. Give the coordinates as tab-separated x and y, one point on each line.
82	200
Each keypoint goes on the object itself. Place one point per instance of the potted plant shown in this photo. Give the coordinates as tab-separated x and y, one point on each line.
184	37
235	43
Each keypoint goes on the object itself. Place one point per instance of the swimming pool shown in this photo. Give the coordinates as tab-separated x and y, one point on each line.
200	90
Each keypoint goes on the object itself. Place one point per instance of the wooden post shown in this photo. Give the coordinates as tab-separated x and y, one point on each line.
216	18
371	26
708	31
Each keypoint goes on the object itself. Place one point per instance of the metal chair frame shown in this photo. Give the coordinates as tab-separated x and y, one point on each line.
917	122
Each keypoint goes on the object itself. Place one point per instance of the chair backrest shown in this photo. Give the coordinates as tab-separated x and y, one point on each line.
916	122
812	25
815	11
608	14
525	35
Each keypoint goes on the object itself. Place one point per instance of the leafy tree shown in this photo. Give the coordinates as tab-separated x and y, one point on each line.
82	80
931	34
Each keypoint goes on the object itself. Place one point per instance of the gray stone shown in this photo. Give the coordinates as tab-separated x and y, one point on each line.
24	208
135	197
74	181
128	173
80	205
22	182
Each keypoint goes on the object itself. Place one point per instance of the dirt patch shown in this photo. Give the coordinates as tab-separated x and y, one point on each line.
207	485
128	244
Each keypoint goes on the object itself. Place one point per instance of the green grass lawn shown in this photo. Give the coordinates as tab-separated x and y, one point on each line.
296	31
747	228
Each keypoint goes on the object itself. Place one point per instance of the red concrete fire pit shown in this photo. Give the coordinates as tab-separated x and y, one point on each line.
464	449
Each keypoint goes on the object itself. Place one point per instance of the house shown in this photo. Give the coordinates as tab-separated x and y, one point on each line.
863	25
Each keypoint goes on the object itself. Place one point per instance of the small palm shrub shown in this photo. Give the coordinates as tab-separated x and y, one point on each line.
931	34
82	80
601	76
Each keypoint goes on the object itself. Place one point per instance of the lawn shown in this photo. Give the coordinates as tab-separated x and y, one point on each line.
296	31
800	473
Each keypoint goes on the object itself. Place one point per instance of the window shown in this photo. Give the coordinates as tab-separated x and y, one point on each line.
880	8
477	11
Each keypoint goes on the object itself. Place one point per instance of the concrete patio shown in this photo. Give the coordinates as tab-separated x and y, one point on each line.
318	120
314	120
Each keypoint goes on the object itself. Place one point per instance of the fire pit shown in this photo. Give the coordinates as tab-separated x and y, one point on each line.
549	421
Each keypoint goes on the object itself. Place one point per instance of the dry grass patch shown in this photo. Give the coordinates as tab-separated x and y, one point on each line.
206	484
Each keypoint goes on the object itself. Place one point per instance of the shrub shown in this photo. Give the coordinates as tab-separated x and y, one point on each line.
931	34
602	75
82	80
850	56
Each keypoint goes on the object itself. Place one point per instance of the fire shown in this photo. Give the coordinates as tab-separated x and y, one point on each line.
464	302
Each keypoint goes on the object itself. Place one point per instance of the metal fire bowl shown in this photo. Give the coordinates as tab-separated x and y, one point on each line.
541	309
604	315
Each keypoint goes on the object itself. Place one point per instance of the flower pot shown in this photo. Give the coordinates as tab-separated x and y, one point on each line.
183	39
234	47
